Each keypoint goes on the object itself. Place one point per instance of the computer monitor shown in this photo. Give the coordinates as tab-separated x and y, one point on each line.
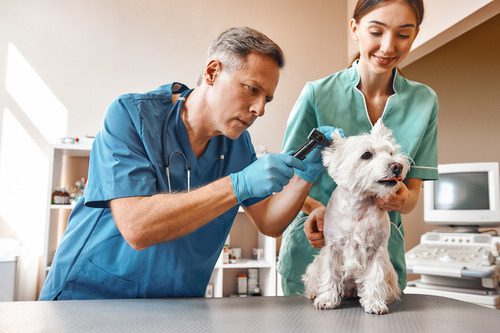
466	194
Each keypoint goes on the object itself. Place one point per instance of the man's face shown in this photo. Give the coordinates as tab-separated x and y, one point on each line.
237	97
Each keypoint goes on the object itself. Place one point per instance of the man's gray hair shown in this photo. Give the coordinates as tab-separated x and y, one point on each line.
233	46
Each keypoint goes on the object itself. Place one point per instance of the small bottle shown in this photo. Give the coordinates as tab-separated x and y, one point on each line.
53	198
225	254
242	284
65	196
56	196
253	282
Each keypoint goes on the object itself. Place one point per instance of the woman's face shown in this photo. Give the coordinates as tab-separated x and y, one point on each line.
385	35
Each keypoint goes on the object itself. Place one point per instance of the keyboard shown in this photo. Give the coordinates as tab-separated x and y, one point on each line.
455	255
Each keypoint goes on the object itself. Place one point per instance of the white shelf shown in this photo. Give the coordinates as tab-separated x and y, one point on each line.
74	149
68	206
54	215
224	275
248	263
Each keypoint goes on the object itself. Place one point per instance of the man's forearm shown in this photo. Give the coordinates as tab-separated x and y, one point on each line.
145	221
273	215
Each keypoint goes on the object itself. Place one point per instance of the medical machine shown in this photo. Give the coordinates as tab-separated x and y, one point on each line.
461	263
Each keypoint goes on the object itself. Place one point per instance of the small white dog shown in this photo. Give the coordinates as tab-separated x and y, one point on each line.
356	230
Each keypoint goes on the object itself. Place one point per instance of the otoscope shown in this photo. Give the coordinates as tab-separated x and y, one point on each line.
313	139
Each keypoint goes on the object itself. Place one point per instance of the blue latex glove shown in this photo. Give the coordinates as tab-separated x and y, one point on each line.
265	176
313	162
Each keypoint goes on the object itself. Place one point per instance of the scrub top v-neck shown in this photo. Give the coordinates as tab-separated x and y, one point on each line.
181	153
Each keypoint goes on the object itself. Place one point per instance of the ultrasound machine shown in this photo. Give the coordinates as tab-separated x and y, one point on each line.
463	261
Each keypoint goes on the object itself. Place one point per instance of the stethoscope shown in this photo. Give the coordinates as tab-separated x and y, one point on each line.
186	165
168	156
179	104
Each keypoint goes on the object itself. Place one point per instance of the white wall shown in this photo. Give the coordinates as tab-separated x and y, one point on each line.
465	74
62	63
88	52
445	20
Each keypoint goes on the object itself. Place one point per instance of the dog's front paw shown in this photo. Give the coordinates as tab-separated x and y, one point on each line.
323	302
311	295
374	307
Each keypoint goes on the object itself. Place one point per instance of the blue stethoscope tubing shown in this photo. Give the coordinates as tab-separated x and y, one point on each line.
168	156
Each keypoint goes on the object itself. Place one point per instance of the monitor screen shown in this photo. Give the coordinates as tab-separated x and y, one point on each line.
462	191
466	194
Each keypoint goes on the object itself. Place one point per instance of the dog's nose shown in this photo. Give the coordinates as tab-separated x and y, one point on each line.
396	168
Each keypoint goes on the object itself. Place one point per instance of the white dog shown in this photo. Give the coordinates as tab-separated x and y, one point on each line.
356	230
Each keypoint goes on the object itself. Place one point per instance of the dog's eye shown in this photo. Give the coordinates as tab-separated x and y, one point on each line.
367	155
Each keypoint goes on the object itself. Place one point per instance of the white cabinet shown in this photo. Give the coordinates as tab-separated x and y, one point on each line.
68	163
244	235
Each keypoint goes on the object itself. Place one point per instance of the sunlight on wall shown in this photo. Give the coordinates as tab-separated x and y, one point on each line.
23	175
38	120
34	97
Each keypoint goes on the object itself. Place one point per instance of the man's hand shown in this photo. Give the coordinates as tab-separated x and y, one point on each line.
313	227
265	176
395	201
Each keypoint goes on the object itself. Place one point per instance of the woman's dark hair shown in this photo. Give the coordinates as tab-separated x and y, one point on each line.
363	7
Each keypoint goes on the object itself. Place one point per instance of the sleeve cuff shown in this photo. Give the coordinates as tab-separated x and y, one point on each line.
100	195
423	172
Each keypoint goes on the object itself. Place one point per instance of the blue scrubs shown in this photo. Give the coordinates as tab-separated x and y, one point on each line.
128	159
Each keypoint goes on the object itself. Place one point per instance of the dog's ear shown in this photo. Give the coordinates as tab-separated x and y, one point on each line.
385	133
379	130
328	151
336	136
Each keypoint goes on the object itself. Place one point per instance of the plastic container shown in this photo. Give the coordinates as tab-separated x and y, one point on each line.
242	284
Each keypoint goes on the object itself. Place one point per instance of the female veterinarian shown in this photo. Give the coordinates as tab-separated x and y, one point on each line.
354	99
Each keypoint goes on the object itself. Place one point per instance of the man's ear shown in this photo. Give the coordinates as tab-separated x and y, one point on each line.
212	69
353	25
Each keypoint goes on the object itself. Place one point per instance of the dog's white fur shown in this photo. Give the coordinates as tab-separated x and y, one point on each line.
356	230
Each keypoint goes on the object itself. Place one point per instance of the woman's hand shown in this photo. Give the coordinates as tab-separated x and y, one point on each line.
313	227
396	201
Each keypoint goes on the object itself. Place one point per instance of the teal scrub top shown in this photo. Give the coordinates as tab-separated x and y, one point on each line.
411	113
128	158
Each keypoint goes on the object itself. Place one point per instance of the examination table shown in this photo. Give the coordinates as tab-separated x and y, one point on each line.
414	313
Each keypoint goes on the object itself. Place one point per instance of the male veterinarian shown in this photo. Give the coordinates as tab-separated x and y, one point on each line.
167	174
